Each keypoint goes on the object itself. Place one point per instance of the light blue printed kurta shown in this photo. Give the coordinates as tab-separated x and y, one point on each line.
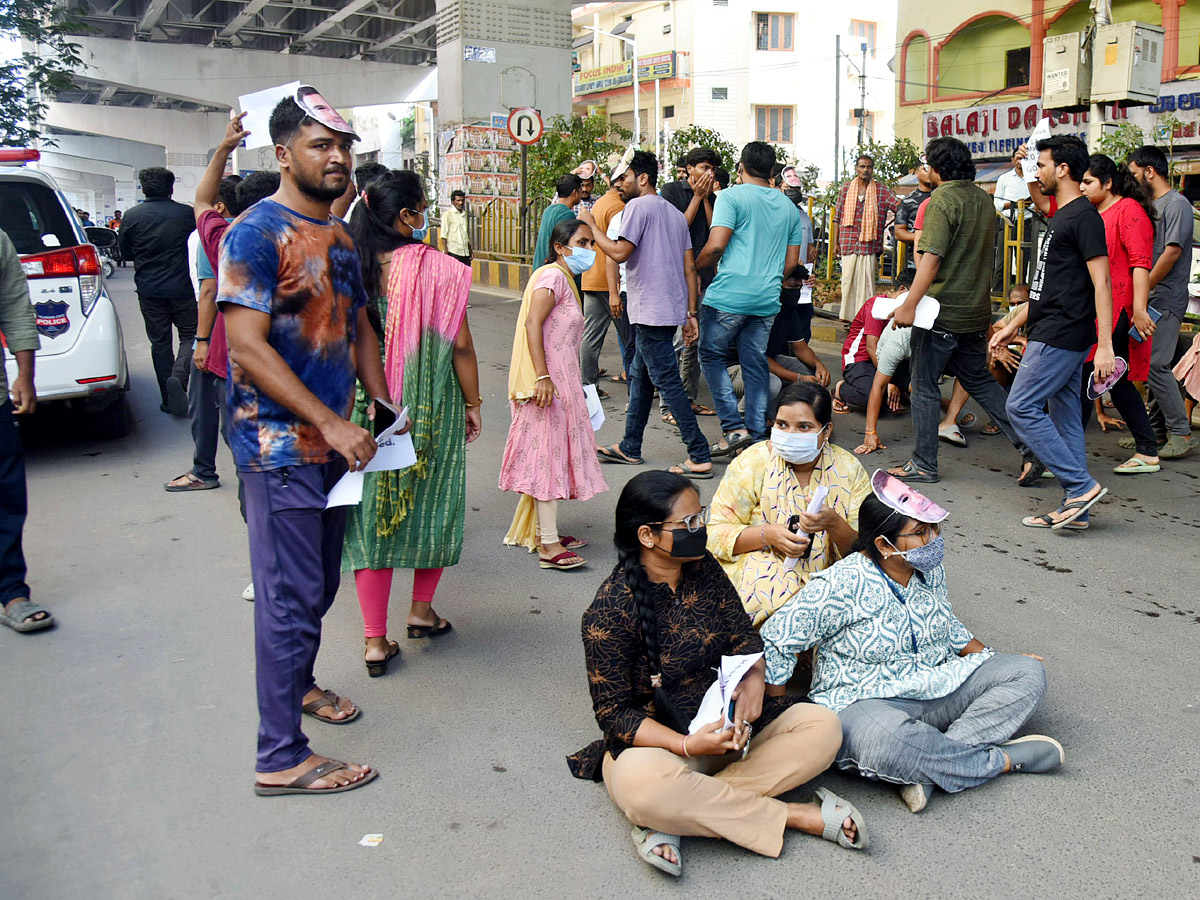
869	643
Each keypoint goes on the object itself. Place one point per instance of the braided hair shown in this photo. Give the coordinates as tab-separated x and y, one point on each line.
648	497
373	227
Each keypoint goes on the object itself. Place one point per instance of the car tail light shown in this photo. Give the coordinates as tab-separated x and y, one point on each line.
82	262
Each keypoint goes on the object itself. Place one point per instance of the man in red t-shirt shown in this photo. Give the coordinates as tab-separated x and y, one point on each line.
858	351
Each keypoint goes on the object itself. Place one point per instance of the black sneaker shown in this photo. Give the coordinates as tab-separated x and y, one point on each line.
176	402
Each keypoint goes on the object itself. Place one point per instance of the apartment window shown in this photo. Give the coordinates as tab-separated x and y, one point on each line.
668	112
865	32
1016	68
773	31
773	123
720	93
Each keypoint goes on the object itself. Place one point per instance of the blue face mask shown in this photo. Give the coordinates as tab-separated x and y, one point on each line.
926	558
419	234
580	260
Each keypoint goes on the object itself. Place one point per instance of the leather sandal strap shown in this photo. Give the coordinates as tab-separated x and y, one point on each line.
320	771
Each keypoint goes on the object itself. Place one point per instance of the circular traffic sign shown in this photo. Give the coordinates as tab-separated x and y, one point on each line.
525	125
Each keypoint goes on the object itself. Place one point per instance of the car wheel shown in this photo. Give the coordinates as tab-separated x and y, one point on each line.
110	268
113	421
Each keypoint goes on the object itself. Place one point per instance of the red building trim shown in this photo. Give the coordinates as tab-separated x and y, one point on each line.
937	58
929	87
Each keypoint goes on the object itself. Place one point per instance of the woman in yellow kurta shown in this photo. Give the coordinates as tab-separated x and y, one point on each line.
775	480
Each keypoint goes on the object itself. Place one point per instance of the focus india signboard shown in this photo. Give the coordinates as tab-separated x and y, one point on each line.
618	75
997	129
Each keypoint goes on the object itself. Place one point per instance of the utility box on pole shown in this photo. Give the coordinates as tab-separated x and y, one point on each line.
1127	63
1066	72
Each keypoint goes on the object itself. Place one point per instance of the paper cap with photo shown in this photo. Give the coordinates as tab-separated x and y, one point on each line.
586	169
309	99
620	168
904	499
791	177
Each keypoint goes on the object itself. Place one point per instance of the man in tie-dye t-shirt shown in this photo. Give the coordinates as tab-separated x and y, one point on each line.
290	286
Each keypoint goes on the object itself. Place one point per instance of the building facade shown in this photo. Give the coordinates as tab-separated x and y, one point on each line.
971	71
749	72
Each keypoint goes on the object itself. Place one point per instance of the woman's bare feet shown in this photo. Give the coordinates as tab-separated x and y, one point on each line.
424	617
806	817
380	648
342	777
667	852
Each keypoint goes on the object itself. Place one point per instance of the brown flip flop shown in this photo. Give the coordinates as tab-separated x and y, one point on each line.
301	784
329	698
194	483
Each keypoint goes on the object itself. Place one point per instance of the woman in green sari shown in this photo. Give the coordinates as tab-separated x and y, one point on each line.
412	518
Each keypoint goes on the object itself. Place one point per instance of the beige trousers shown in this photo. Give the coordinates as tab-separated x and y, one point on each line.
858	284
657	789
547	516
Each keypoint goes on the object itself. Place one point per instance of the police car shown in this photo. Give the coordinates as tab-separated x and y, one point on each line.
82	354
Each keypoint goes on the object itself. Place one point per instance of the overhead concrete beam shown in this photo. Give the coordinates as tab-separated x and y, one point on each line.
329	21
401	35
217	77
150	18
245	17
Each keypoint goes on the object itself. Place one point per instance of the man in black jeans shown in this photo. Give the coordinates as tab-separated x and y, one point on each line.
154	235
955	267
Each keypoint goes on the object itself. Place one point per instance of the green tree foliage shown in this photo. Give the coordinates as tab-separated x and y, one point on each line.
569	141
1121	141
685	139
29	82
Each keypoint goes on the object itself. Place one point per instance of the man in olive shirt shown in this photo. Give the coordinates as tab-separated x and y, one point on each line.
955	268
19	327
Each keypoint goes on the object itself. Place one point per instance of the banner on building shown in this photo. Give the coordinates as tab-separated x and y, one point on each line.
996	130
618	75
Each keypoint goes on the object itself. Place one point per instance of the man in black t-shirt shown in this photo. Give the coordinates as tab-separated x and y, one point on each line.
906	215
1070	301
694	197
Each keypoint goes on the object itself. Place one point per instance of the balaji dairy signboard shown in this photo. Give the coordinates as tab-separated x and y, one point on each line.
996	130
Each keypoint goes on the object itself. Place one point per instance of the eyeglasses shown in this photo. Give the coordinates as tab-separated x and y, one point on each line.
692	523
922	532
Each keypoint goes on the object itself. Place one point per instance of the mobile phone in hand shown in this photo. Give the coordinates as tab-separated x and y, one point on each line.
385	417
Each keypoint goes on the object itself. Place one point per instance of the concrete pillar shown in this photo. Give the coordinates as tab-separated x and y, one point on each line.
497	55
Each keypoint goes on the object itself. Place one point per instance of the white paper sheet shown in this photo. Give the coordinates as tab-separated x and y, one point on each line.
715	704
395	452
594	407
258	107
1029	163
814	507
806	294
927	309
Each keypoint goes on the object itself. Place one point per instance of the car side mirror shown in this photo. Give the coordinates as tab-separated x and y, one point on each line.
103	238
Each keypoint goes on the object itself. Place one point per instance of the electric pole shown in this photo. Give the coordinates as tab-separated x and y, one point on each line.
837	107
862	100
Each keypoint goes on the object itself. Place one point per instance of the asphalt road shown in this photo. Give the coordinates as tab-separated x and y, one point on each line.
128	738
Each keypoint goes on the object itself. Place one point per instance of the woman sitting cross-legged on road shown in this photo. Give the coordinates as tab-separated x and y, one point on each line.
652	637
922	702
772	482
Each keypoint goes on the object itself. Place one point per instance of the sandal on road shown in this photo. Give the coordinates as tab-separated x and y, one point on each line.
25	615
733	445
1033	476
840	406
688	472
329	698
910	474
613	454
377	667
701	410
301	784
952	434
1135	466
568	559
1077	508
437	629
669	419
572	543
646	839
189	481
990	429
835	811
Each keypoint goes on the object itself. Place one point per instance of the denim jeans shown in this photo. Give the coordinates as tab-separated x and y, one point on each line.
1051	376
935	352
12	507
626	336
654	365
951	741
720	334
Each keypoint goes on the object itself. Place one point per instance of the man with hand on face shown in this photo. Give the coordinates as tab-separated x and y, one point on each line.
290	287
1070	303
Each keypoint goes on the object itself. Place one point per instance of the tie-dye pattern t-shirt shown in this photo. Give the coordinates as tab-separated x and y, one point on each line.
306	275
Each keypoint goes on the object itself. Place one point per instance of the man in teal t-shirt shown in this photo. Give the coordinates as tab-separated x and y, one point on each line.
569	189
756	235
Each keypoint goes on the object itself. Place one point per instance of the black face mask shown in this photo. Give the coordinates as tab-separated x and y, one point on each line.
690	544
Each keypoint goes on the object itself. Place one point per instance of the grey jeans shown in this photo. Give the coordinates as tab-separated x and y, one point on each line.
597	317
950	742
1167	412
774	381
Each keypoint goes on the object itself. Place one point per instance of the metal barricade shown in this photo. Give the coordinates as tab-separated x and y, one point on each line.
496	228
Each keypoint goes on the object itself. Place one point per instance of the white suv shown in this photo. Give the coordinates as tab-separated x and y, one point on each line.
82	354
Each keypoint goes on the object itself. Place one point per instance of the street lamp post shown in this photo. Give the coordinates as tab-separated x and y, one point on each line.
632	41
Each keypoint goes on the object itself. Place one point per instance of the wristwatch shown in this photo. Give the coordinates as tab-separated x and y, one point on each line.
199	341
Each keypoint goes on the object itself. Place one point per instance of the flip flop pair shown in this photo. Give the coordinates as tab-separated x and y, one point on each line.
1074	510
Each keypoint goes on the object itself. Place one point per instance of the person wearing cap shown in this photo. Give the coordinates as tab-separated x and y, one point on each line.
923	702
290	286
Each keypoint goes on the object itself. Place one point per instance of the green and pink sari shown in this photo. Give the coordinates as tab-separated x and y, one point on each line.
413	518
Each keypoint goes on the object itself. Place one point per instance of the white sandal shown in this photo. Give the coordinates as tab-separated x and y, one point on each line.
646	839
835	811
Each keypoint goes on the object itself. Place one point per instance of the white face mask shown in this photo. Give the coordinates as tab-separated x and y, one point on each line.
797	448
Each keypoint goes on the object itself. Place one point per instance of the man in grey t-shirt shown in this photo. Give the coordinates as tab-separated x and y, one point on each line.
1168	295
